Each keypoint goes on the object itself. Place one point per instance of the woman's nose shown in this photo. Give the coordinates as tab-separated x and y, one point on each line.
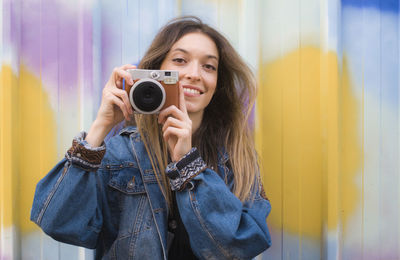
193	72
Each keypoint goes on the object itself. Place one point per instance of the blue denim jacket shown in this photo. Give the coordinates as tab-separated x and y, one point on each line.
120	210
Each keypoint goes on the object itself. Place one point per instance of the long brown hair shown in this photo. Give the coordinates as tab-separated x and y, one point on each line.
224	124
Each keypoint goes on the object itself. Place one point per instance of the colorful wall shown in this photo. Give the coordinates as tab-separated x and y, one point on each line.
327	114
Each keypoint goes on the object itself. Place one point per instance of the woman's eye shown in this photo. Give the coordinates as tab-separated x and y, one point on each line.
178	60
210	67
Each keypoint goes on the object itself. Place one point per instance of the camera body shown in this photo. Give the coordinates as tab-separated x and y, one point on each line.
153	90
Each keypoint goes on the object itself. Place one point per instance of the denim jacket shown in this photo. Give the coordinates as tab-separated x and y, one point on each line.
120	210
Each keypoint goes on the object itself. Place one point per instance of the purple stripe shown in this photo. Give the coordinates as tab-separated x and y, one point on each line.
49	41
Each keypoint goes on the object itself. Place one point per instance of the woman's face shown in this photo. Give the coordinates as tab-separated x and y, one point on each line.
195	56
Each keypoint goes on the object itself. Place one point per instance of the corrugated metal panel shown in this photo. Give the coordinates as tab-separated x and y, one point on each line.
328	128
327	119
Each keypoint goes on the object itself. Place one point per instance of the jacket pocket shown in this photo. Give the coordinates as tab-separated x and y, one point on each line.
127	180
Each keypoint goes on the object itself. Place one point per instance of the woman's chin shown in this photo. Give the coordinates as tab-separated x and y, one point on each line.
193	109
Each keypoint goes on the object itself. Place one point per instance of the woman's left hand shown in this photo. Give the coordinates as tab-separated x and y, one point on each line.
177	128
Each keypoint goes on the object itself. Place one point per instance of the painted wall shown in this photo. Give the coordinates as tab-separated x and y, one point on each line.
327	114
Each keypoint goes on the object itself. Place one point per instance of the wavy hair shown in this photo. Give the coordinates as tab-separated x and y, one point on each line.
224	124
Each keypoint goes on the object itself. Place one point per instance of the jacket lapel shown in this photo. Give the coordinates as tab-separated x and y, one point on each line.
157	201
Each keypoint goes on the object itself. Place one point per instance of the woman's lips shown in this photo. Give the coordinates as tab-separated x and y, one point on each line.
191	91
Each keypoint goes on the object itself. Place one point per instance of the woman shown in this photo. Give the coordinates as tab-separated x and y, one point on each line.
182	184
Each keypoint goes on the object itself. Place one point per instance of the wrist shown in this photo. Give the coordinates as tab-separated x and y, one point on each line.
83	155
184	170
97	132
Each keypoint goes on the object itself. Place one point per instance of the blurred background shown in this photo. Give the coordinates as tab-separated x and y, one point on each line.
326	117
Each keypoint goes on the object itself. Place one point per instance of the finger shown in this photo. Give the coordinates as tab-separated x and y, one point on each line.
118	102
170	111
182	103
124	97
173	122
174	132
128	66
118	74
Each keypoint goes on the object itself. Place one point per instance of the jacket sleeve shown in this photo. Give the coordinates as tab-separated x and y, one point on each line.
66	203
219	225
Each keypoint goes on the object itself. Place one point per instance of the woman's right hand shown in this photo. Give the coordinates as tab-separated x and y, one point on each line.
115	106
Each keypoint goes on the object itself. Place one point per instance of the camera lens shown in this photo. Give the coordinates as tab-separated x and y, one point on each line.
147	96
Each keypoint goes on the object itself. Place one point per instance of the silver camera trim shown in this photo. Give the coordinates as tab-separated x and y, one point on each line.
155	74
147	80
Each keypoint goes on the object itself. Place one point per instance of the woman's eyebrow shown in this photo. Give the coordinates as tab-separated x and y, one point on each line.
186	52
181	50
212	57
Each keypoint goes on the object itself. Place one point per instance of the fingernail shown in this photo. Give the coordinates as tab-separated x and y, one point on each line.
131	82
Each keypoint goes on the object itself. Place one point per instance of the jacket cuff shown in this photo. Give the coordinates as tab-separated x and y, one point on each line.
81	154
188	167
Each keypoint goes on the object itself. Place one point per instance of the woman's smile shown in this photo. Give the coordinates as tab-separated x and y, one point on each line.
191	91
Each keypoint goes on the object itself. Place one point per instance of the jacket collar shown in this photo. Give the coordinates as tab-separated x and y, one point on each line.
127	130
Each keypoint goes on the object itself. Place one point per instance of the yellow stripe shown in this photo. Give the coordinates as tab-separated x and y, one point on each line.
28	144
8	154
300	130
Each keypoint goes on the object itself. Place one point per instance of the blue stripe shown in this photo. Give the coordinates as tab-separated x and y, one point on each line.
383	5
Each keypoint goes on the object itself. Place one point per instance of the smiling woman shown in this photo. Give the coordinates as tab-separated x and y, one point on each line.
181	184
195	56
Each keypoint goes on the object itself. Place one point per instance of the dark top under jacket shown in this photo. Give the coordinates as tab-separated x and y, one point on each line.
180	247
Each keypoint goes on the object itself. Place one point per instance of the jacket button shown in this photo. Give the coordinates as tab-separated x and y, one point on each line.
172	224
131	184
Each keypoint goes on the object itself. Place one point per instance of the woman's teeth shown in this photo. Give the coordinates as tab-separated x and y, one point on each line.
191	91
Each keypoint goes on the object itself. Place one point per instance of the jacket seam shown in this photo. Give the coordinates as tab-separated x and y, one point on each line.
116	167
53	191
136	226
204	225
